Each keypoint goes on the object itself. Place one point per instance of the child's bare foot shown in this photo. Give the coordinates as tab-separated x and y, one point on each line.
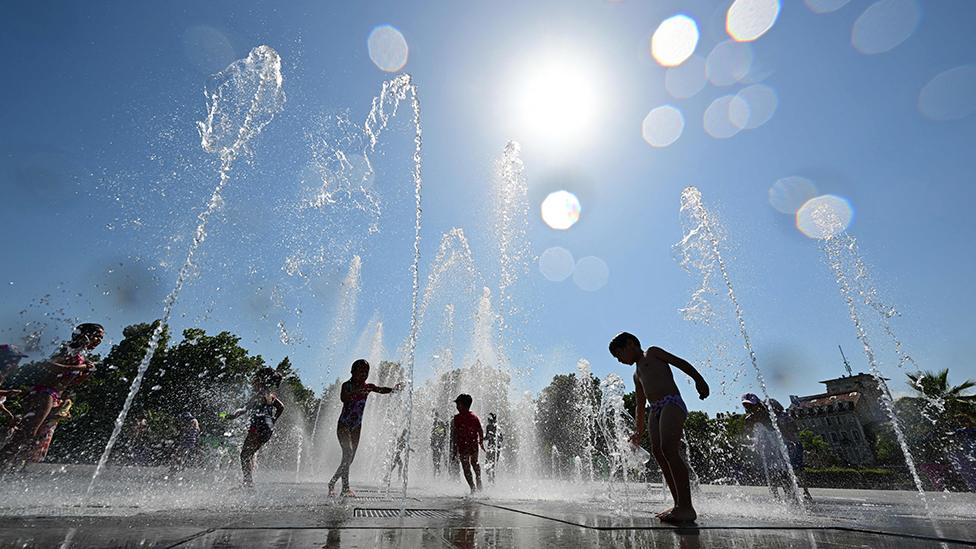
680	515
662	513
347	493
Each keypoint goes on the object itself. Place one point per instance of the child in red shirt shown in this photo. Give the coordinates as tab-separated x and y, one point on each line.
466	437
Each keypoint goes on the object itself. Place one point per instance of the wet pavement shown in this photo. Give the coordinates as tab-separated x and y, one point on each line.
128	513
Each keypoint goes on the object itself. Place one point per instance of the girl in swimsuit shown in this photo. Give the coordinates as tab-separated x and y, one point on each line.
68	367
265	408
353	396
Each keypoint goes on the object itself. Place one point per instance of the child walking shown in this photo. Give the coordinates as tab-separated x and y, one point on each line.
655	383
353	396
265	408
397	462
466	437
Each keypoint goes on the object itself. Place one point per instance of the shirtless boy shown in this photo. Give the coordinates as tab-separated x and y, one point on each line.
655	384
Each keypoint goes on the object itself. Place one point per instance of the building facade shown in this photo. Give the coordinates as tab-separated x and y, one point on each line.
847	416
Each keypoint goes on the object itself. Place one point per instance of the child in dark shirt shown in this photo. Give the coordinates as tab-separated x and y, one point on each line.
466	437
265	409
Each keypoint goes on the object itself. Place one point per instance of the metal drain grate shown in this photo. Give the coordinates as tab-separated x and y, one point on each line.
395	513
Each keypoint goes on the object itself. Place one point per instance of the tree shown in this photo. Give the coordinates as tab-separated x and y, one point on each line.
937	410
203	375
555	413
817	450
886	449
303	397
943	404
98	401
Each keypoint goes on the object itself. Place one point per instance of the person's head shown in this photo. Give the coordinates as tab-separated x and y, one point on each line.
463	402
186	416
360	370
751	402
9	359
87	336
266	378
626	348
492	418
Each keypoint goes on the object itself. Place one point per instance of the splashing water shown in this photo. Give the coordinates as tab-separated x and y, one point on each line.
242	100
342	324
300	439
445	360
511	228
454	251
585	400
840	250
613	423
699	249
402	87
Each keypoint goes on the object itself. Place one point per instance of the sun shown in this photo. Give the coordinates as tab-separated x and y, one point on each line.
556	100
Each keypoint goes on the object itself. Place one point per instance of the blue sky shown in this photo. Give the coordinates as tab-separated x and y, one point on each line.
103	174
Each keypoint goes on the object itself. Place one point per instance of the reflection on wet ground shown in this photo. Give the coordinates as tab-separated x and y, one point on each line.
296	515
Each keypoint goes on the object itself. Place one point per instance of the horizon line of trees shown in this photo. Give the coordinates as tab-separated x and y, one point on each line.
208	374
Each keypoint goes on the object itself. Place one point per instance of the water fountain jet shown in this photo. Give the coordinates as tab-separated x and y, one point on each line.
699	248
245	97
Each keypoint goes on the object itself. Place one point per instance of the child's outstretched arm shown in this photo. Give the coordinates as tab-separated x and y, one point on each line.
700	385
640	402
383	390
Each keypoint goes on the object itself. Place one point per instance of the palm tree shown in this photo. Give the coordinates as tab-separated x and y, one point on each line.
940	401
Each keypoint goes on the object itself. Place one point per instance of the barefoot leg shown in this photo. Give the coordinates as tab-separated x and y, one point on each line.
654	432
672	421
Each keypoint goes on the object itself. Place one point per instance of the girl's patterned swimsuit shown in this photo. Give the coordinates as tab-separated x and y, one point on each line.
658	405
352	410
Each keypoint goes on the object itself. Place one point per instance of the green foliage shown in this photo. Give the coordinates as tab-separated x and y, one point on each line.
296	392
936	410
817	450
716	447
560	423
98	401
202	374
886	449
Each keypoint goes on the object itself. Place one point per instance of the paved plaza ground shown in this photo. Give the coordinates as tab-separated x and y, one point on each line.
45	508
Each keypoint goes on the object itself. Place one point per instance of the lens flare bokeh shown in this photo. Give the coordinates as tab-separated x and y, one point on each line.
747	20
884	25
825	216
674	41
387	48
663	126
591	273
557	264
561	210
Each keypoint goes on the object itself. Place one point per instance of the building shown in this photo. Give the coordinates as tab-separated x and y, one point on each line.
847	416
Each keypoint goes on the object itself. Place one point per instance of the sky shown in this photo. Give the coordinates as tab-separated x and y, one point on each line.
103	176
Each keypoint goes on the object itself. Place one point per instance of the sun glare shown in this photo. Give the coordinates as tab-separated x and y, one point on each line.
556	101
